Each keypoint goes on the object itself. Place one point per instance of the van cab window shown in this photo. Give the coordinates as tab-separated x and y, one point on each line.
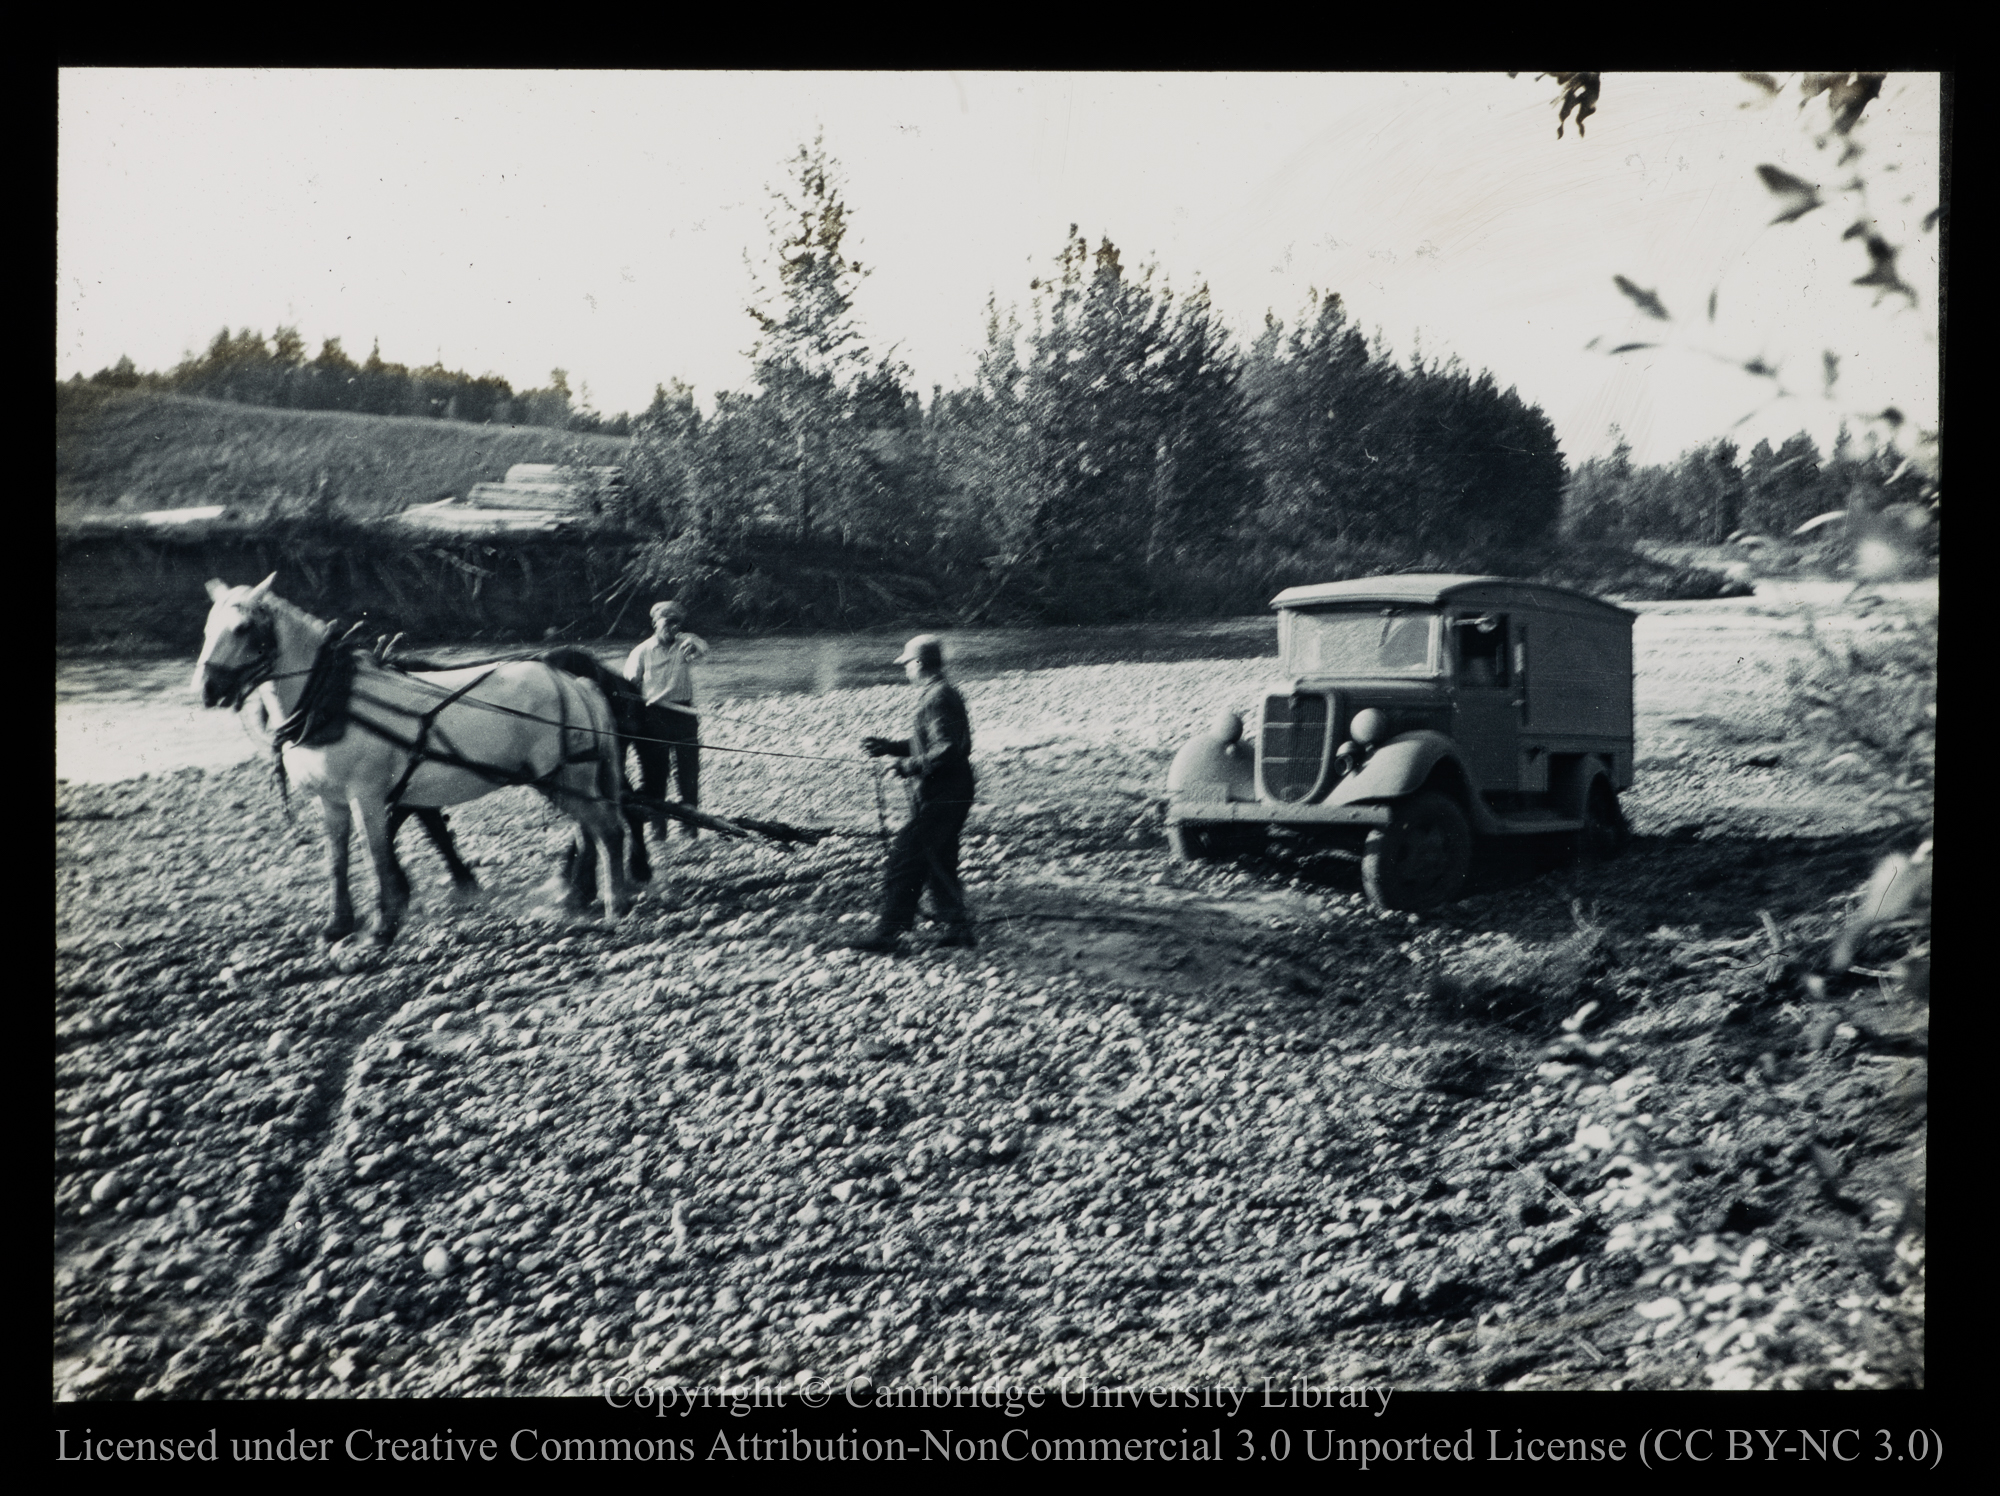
1480	649
1357	640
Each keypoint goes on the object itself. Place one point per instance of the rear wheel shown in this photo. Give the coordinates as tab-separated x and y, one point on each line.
1605	829
1420	859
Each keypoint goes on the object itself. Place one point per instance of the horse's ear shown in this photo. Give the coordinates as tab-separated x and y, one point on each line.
216	590
262	587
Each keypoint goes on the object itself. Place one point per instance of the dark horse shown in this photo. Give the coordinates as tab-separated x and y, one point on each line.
628	712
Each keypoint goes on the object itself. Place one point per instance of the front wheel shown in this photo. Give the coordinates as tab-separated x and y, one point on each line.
1420	859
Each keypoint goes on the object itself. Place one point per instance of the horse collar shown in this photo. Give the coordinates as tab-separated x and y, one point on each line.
321	714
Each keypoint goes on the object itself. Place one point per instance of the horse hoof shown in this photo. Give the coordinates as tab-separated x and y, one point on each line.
336	931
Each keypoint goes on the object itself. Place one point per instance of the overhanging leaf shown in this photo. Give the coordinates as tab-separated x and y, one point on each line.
1579	94
1883	273
1647	301
1796	196
1847	94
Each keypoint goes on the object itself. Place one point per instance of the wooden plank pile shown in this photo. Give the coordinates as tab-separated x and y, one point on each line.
539	485
533	496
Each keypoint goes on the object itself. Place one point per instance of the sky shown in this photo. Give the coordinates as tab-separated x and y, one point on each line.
610	223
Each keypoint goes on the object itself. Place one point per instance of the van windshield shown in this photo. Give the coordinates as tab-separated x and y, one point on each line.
1360	640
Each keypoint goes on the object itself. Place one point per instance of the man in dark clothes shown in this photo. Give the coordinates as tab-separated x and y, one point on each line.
938	756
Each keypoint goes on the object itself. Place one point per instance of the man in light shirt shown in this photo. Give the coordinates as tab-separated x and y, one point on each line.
663	670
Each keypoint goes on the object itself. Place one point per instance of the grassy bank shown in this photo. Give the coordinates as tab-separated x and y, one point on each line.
138	450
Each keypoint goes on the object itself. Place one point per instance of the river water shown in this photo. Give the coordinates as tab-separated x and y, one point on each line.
123	719
118	719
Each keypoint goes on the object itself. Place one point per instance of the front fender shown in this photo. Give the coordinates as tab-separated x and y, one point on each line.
1399	767
1208	771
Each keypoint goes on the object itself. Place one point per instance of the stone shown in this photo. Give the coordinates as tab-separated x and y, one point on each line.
362	1306
438	1262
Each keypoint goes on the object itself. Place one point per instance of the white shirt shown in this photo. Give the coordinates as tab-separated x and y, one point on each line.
664	672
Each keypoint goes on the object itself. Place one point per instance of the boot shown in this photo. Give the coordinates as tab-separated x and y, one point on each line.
884	942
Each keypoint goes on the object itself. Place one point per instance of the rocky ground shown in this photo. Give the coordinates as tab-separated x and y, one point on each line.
1588	1127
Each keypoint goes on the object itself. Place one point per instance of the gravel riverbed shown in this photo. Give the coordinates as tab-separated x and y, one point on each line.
1587	1127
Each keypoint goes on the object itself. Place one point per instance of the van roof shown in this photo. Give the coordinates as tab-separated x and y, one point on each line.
1444	587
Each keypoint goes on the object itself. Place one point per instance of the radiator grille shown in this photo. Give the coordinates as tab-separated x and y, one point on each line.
1294	749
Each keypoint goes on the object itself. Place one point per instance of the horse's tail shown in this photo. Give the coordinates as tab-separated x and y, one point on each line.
610	745
582	708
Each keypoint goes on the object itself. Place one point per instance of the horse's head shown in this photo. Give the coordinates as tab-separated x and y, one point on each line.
239	643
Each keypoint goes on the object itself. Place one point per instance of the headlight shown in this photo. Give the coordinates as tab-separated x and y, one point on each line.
1228	728
1369	727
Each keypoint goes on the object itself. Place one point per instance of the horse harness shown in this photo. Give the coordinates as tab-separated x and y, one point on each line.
326	710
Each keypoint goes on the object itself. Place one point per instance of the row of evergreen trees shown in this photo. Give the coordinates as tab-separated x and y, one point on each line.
1715	492
251	369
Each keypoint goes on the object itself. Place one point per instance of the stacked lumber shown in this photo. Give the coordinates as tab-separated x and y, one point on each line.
538	485
533	496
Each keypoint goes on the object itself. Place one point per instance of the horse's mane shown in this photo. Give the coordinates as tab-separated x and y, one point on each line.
568	657
294	614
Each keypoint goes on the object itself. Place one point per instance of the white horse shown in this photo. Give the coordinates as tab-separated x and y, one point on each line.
362	737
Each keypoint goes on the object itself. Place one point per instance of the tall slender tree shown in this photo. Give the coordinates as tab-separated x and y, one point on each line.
809	356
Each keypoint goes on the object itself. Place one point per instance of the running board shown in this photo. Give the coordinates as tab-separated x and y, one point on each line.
1486	821
1535	825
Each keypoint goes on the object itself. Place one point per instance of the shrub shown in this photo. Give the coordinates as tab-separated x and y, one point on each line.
1866	704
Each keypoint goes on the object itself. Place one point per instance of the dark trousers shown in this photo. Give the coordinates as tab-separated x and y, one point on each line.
925	854
676	735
